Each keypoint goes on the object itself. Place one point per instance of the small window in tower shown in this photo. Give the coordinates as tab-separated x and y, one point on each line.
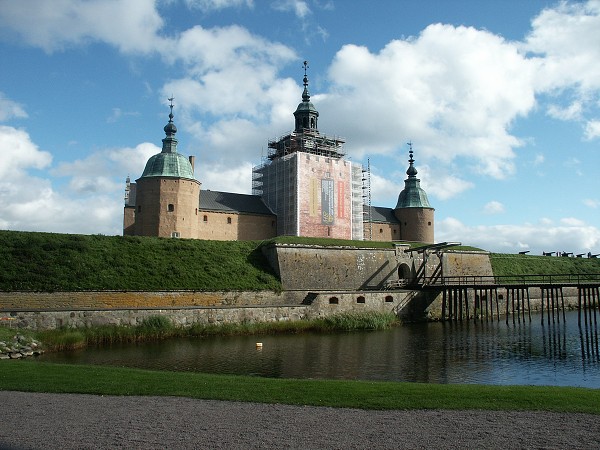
405	223
229	220
395	231
333	300
196	211
205	218
171	207
139	208
381	230
272	224
429	223
360	299
389	299
174	234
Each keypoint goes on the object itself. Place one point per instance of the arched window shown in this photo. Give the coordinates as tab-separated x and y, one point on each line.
229	220
333	300
171	207
360	299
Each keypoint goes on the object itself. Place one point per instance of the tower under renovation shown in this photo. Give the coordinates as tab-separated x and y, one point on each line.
307	182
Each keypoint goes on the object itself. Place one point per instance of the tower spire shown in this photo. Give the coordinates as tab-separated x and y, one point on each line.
305	94
170	142
411	171
306	115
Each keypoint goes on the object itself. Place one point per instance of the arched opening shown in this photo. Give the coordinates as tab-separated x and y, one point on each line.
405	276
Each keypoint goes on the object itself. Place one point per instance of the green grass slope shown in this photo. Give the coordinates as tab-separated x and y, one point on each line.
63	262
510	265
31	261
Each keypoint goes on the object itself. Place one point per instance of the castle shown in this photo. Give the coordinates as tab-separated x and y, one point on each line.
305	187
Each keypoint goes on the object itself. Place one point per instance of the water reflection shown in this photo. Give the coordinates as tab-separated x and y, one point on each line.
560	353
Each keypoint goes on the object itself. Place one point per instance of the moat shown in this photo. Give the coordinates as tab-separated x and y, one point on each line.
558	354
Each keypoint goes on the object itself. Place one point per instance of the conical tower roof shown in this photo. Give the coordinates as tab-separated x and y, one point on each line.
169	163
412	196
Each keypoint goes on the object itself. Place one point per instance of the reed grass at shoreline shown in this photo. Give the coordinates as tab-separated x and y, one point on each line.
161	327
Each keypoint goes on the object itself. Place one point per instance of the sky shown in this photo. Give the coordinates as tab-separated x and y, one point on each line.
500	99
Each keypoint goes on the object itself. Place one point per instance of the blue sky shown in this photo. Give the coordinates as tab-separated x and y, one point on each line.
501	100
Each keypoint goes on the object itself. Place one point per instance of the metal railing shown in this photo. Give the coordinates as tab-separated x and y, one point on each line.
513	280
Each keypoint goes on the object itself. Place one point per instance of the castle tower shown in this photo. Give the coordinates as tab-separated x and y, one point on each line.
307	182
167	194
413	210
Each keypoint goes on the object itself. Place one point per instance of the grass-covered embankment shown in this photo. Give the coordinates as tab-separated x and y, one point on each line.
51	262
68	262
505	265
33	376
160	327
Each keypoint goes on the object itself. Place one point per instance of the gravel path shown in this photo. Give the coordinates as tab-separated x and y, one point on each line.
69	421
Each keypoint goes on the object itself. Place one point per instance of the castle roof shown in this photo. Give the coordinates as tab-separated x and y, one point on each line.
169	163
412	196
379	214
233	203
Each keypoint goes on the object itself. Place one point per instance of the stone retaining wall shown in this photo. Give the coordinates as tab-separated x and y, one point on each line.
318	304
47	301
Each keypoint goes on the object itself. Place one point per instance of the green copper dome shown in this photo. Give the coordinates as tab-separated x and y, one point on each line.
169	163
412	196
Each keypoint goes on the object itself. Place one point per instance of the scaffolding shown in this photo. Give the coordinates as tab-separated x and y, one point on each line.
275	181
306	141
366	187
276	178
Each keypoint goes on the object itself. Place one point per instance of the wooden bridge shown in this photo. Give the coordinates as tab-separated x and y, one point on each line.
488	298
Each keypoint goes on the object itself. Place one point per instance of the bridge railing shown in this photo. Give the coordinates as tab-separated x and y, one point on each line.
523	280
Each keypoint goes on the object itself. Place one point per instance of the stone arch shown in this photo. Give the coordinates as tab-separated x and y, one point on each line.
405	274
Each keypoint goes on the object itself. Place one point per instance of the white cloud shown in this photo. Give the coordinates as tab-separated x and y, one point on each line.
117	114
572	236
94	174
228	179
216	5
298	7
493	207
131	26
565	38
539	159
453	90
592	203
19	154
30	202
10	109
571	112
592	130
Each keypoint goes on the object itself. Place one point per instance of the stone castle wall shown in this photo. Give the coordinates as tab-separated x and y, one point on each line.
32	314
304	267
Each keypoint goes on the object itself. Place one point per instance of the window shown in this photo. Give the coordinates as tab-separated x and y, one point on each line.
381	230
229	220
205	218
360	299
139	208
333	300
389	299
171	207
429	223
174	234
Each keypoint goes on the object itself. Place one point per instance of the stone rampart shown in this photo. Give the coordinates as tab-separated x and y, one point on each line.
45	301
307	267
316	305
